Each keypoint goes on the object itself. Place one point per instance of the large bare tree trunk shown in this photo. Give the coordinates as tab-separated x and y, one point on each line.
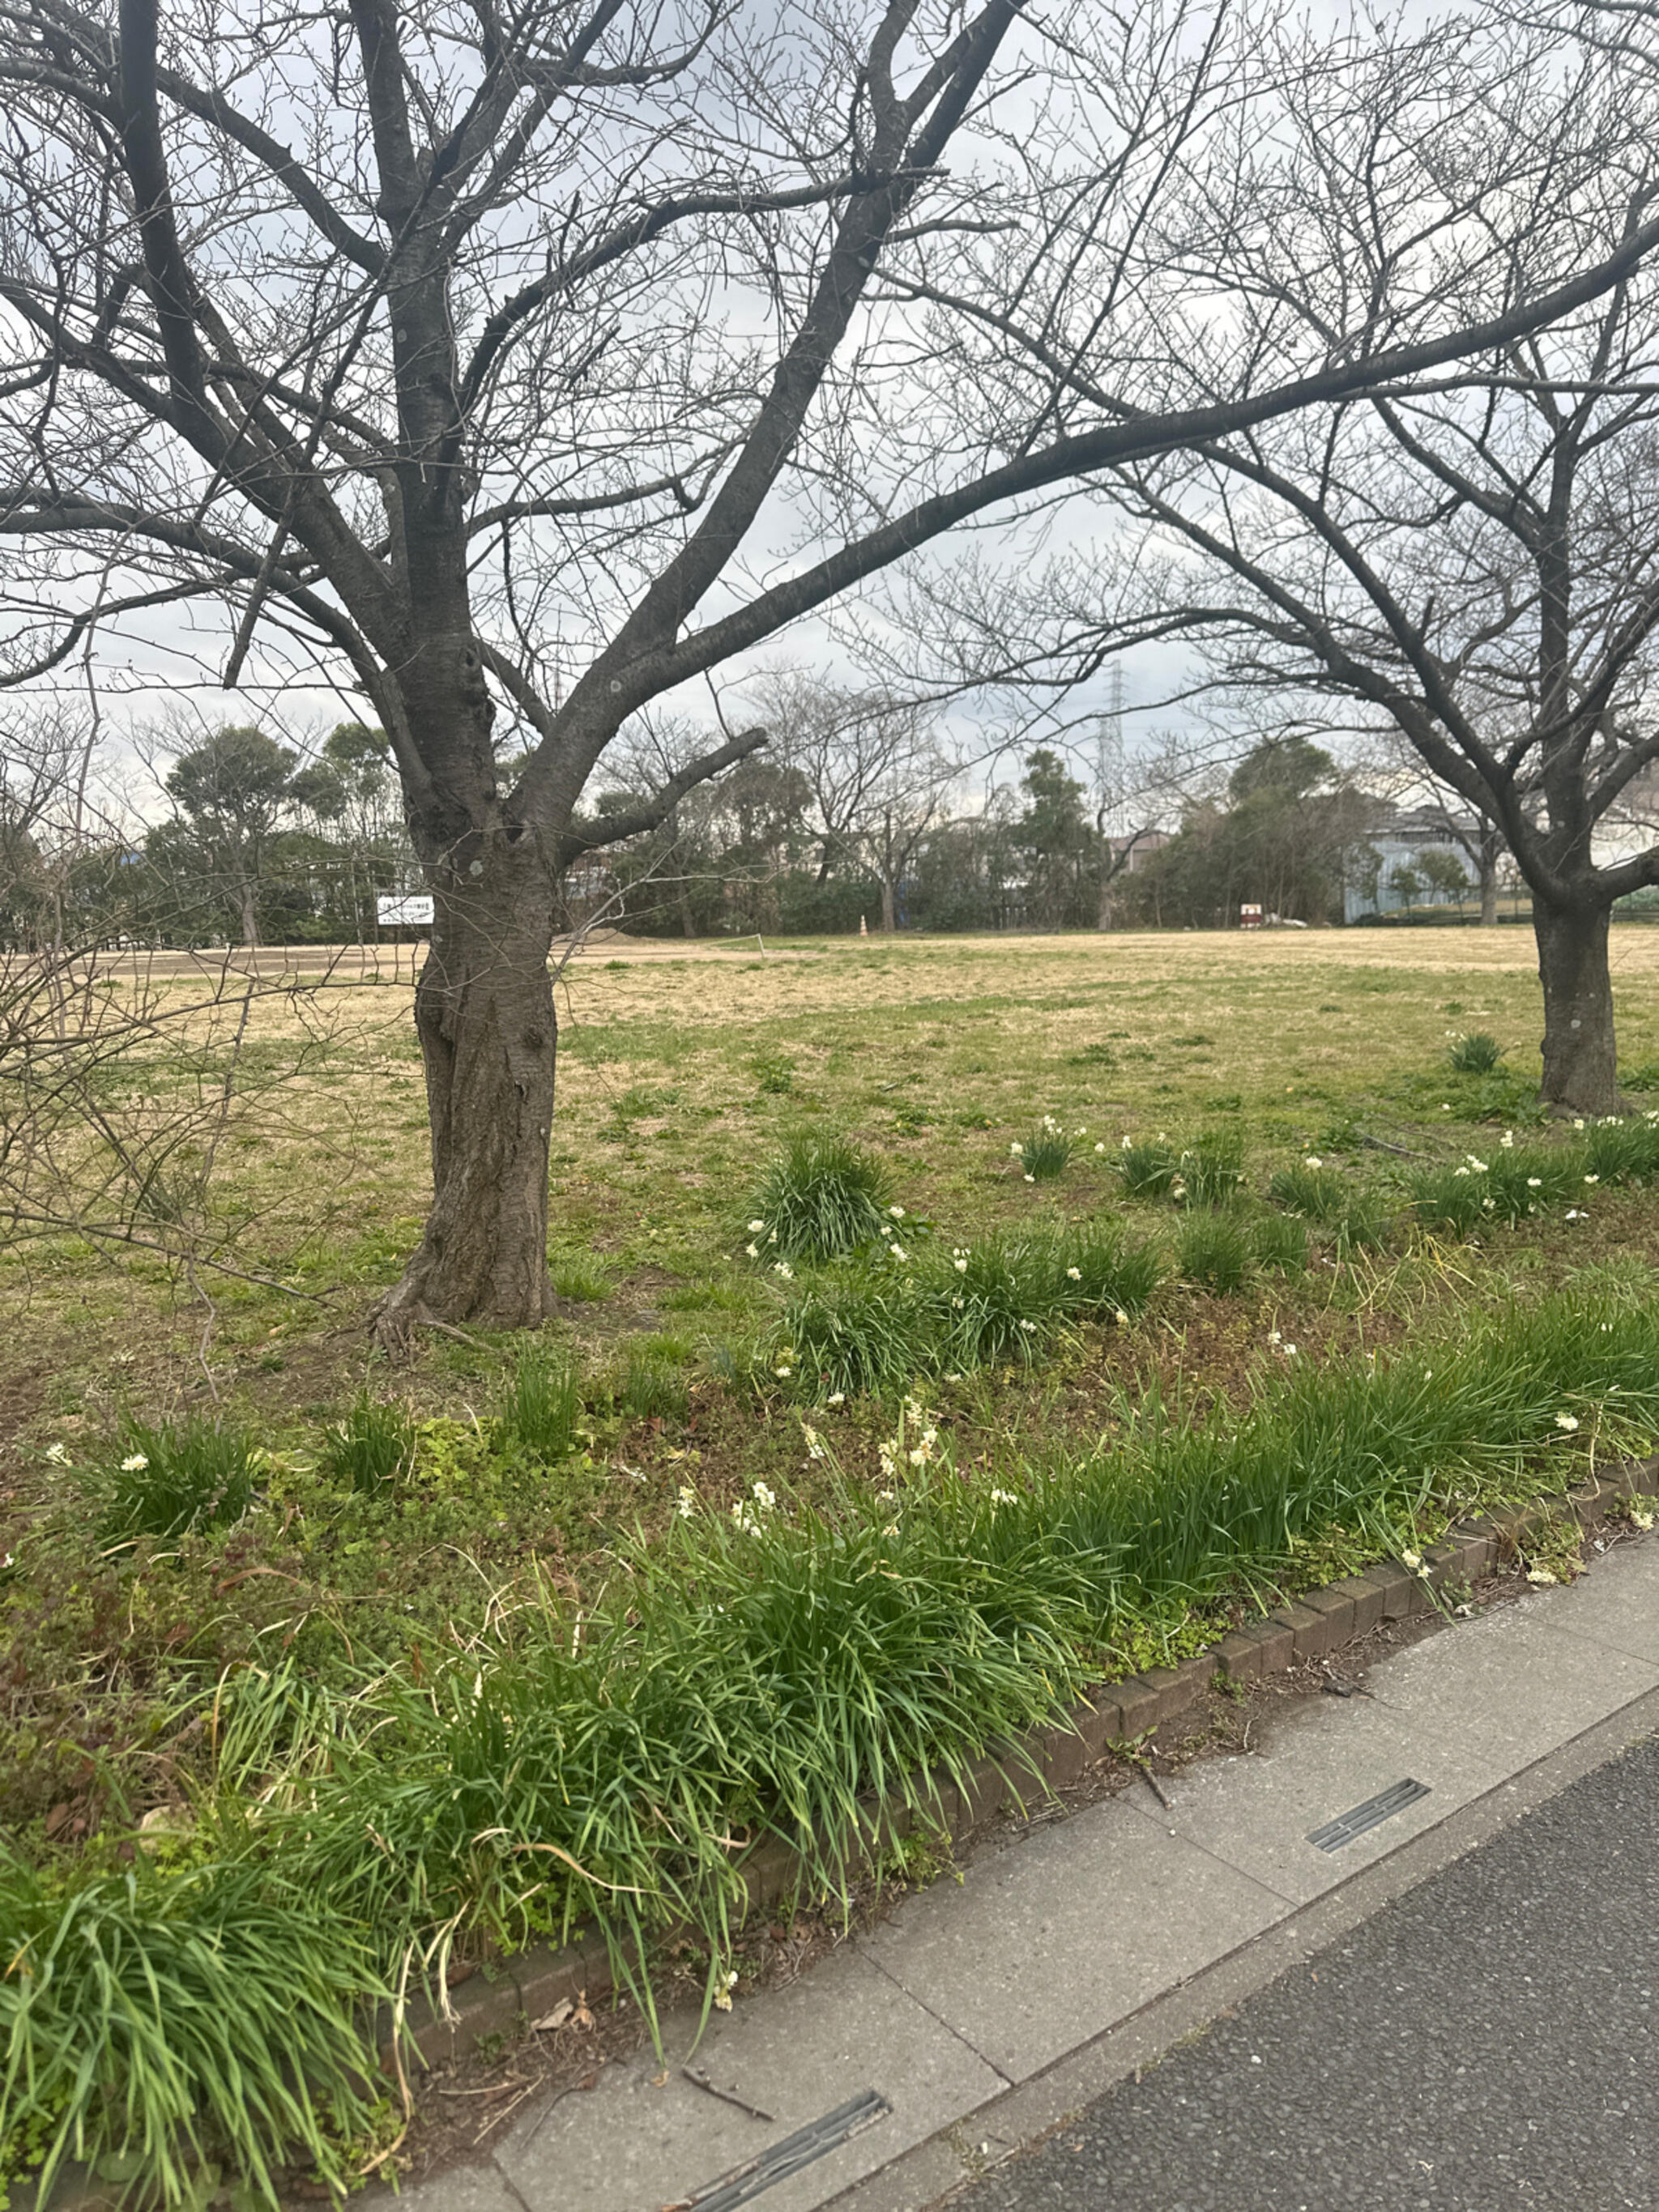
1580	1054
484	1014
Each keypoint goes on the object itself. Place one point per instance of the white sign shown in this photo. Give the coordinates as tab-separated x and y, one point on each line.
405	912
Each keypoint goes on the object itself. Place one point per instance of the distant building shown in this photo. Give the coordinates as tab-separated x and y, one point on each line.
1397	840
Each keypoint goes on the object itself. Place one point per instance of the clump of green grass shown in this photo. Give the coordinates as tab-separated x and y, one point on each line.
1214	1166
1208	1171
1149	1167
372	1447
1213	1254
1045	1155
172	1477
1622	1151
1475	1054
774	1074
1000	1300
823	1198
653	1387
1312	1190
1503	1182
174	2019
1366	1224
1279	1244
578	1277
542	1404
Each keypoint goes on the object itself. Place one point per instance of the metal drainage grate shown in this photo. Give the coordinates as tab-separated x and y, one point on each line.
814	2141
1371	1815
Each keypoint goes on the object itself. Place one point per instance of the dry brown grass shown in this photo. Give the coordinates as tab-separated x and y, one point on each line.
680	1066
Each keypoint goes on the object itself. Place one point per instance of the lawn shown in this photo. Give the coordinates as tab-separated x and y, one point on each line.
1191	1271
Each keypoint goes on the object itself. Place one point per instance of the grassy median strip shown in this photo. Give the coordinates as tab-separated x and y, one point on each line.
752	1674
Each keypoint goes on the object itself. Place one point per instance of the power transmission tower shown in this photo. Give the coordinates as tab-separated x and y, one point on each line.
1108	791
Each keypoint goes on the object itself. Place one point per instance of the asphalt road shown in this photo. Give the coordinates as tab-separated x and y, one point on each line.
1486	2042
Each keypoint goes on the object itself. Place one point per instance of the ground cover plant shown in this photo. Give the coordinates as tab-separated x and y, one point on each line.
388	1523
749	1674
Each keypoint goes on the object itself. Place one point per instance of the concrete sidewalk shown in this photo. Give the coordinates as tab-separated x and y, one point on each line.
981	2013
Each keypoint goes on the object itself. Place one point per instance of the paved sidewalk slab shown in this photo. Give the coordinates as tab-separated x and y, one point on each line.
631	2145
1051	1939
1505	1690
1257	1810
1616	1605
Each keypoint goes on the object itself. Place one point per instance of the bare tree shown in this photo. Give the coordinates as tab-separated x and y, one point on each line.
1473	560
879	773
481	357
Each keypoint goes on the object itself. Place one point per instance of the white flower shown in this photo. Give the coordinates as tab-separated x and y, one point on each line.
1121	1318
783	1373
745	1520
1412	1559
57	1455
1445	1109
1290	1352
1123	1145
891	1529
1578	1124
1639	1515
134	1463
1029	1327
1462	1171
1272	1336
813	1442
1074	1274
1535	1183
1507	1140
837	1398
1031	1178
898	1251
1592	1179
687	1505
1016	1152
1100	1148
1480	1166
897	1212
960	1265
723	1995
953	1378
1573	1214
1004	1497
888	1459
755	1227
772	1238
1567	1421
764	1496
1177	1189
753	1251
887	1497
1541	1575
782	1267
1313	1160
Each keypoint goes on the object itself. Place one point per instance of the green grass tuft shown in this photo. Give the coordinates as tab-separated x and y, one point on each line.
824	1198
373	1446
1213	1254
1476	1053
542	1404
172	1477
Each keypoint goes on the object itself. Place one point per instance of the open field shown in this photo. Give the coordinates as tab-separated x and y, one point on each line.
273	1596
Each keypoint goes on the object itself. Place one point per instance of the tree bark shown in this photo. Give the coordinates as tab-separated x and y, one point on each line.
484	1014
1580	1053
1486	865
889	907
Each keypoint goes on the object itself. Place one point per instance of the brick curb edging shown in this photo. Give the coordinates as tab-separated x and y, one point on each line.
1142	1707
